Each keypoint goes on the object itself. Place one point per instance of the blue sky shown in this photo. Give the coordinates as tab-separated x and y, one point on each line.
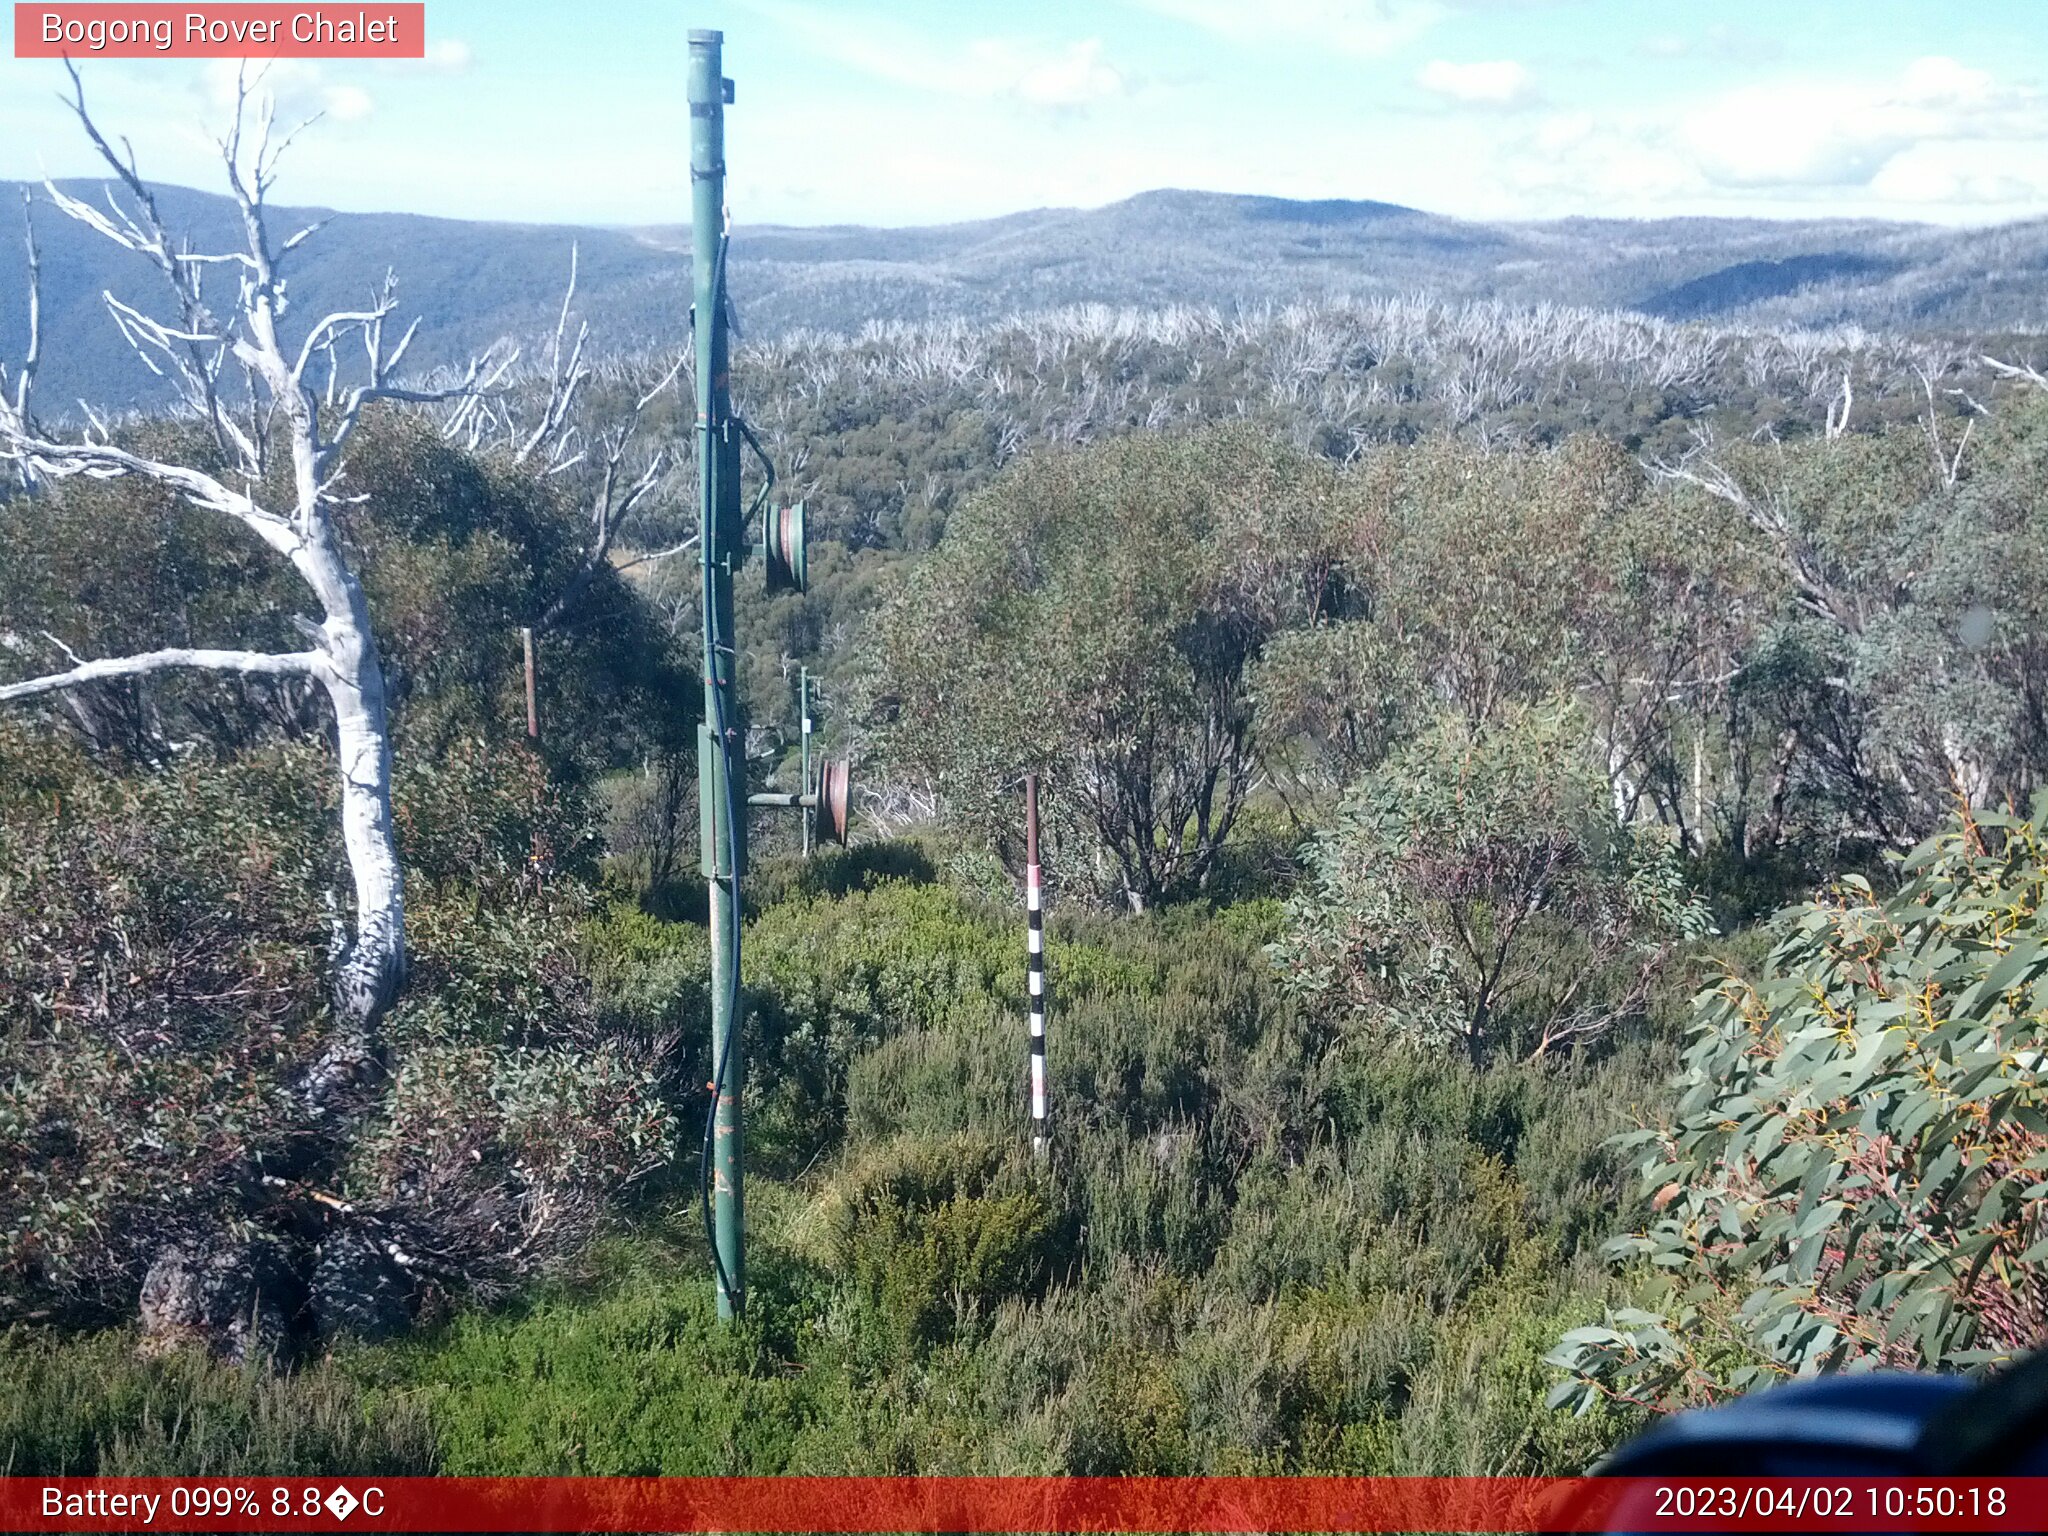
922	111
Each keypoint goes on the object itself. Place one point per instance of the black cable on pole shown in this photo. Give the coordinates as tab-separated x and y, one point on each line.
731	770
732	1013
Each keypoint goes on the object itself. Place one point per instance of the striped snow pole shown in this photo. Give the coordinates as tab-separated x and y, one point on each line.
803	704
1034	955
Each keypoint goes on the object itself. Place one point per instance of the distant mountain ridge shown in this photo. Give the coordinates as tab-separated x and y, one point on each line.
474	282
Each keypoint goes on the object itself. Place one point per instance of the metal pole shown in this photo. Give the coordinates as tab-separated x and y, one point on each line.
803	705
532	702
1034	956
719	760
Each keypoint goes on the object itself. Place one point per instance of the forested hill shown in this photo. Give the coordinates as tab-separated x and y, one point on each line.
477	281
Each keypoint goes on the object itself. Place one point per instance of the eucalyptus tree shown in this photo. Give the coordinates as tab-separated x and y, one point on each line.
1095	615
1907	566
1475	891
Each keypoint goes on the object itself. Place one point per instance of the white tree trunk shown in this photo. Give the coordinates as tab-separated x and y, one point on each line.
373	968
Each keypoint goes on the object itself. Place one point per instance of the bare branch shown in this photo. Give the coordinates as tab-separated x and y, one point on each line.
390	364
267	163
610	506
563	381
380	365
1947	466
1838	414
327	330
1699	468
609	509
475	417
299	239
14	410
105	461
2025	372
659	554
148	235
124	169
662	384
24	382
248	663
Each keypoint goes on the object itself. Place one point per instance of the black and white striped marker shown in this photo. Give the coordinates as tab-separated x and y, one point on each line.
1035	965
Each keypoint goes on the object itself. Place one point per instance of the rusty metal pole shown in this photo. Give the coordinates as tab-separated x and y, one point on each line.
532	699
1034	955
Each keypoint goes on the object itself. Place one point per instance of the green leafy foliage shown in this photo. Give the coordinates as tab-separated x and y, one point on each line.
170	864
1093	616
1263	1243
1477	889
160	987
161	948
455	552
1274	1236
1853	1174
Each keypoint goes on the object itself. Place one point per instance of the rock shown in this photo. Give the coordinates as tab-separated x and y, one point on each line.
357	1289
234	1298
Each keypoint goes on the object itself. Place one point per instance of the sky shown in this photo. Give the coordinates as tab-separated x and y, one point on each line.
930	111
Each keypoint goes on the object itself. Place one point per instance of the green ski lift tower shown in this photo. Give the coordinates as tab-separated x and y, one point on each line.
723	800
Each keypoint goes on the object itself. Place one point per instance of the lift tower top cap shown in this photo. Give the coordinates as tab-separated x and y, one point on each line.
706	86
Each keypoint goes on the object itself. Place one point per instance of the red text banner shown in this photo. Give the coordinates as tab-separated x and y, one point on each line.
263	31
1022	1504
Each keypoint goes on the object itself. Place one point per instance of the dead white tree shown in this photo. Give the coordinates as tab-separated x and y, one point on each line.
278	405
2023	373
1767	512
558	441
615	494
23	381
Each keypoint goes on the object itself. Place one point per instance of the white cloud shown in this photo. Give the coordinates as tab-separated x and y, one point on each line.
1363	28
295	90
1036	73
1591	163
1969	175
1821	133
1937	138
1497	83
1812	135
1719	41
1074	77
348	103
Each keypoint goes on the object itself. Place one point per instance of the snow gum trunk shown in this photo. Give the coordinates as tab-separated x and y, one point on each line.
372	966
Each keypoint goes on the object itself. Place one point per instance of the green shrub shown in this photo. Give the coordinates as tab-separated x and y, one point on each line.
162	939
630	1376
1263	1243
931	1236
1094	615
161	988
1851	1174
89	1407
951	1081
1146	1201
1128	1416
1478	892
